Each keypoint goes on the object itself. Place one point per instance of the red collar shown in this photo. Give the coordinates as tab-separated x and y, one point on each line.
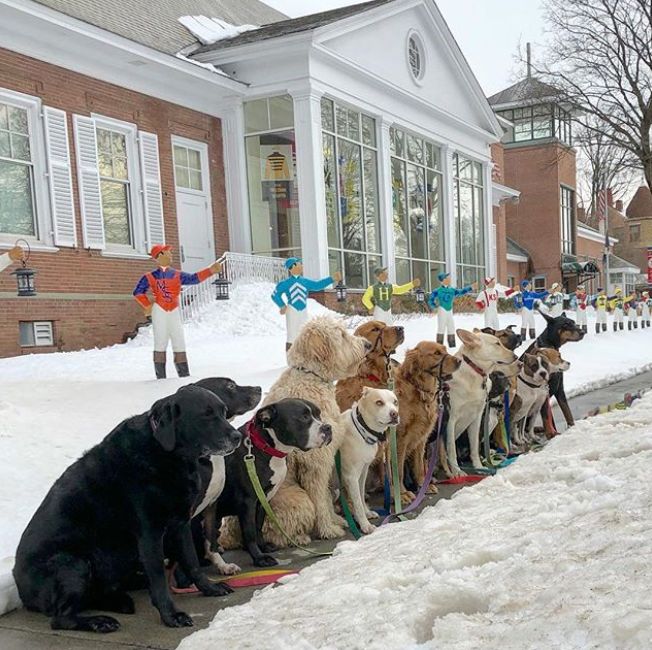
475	367
260	443
373	378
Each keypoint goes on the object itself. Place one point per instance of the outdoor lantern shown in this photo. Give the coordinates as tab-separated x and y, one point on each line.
420	295
221	288
25	276
340	291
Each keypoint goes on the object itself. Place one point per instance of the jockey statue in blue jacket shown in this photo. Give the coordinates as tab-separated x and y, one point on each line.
441	301
528	300
291	296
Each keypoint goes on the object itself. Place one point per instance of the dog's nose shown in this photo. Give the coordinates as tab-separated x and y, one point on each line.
400	330
367	346
327	432
394	416
519	364
236	438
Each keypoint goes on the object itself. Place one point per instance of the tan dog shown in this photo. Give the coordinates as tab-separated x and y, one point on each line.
374	370
322	353
416	383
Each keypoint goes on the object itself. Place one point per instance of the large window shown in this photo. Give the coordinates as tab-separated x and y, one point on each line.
469	219
537	123
271	174
417	208
351	184
17	203
567	209
115	186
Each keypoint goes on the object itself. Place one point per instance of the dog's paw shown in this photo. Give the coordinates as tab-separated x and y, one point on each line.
331	532
268	547
103	624
338	521
367	528
372	514
177	619
431	489
216	589
456	472
229	569
303	540
265	560
407	498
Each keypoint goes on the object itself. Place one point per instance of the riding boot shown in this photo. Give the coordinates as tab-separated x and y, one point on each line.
621	326
440	339
523	334
642	324
648	323
597	328
629	325
615	327
604	327
181	364
451	340
159	365
635	325
533	334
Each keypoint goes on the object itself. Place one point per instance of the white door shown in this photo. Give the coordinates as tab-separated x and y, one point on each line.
194	212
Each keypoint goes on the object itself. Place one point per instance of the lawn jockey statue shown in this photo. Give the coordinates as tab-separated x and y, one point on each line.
441	301
378	296
555	300
617	305
528	299
601	302
646	309
165	285
14	255
631	312
291	296
487	301
581	302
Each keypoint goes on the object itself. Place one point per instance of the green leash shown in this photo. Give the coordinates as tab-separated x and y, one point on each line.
250	463
353	526
393	455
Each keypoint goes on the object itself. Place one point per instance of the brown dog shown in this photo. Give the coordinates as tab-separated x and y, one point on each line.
416	384
374	369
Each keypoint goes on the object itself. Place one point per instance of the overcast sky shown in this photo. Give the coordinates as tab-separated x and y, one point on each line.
488	31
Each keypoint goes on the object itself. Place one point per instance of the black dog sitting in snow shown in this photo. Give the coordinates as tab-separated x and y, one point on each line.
559	330
105	517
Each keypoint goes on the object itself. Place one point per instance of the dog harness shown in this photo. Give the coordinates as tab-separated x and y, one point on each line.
260	443
165	285
295	289
370	436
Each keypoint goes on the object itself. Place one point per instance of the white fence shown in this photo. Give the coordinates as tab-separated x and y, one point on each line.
236	268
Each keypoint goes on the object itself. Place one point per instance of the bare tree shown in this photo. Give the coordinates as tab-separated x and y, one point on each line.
600	57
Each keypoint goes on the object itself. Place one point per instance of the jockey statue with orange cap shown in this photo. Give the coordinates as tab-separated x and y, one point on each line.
165	285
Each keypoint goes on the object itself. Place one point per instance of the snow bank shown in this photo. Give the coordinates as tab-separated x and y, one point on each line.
55	406
210	30
554	552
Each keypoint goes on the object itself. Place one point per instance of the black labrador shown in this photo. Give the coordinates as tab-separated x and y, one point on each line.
105	518
559	331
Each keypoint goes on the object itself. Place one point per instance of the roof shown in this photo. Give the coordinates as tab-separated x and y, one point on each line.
293	26
641	203
524	92
514	249
616	262
157	25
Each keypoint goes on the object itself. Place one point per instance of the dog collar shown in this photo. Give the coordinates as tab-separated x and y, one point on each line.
260	443
370	436
373	378
475	367
312	372
527	383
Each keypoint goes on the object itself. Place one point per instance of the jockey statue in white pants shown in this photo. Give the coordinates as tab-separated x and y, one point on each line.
378	296
487	301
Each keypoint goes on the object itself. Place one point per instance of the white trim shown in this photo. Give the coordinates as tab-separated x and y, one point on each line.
125	255
385	197
423	59
38	160
594	235
521	259
501	193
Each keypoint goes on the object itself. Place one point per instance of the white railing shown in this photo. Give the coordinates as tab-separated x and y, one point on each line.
236	268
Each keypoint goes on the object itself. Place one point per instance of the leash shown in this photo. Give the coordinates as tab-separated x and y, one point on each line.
250	463
391	464
353	526
507	421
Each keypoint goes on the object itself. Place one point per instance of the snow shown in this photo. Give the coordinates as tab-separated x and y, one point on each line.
210	30
553	552
55	406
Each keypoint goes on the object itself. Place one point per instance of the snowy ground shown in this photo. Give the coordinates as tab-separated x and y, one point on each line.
553	552
53	407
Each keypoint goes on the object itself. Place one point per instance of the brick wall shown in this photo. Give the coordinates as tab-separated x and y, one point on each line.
86	323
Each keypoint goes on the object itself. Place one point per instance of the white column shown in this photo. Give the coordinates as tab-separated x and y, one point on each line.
235	178
489	231
450	235
385	197
310	177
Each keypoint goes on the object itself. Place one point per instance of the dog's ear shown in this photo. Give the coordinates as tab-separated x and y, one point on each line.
409	366
488	330
468	338
547	318
162	418
563	313
365	390
510	327
266	414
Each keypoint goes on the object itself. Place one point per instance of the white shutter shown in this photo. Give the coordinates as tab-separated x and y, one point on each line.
151	176
43	333
89	182
60	177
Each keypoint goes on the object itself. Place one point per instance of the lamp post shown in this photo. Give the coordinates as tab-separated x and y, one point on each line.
420	295
25	276
340	291
221	288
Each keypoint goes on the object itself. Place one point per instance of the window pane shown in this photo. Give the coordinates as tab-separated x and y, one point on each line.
414	149
334	261
522	131
354	270
396	142
465	168
182	177
353	118
340	121
433	156
194	159
398	203
372	216
16	207
195	180
180	156
120	168
403	271
416	211
434	208
466	224
281	112
435	270
115	210
330	187
349	187
477	173
542	128
18	120
368	131
255	115
105	164
5	147
4	119
20	147
373	262
104	140
327	121
119	144
420	270
26	330
478	222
